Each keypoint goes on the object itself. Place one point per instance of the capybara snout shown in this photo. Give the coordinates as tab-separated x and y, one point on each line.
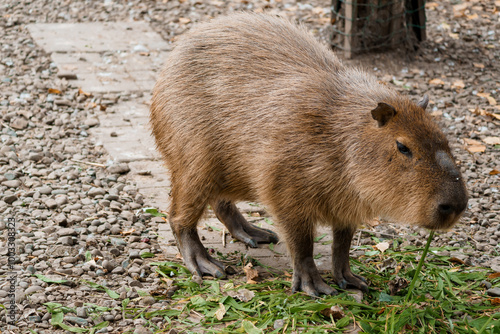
252	107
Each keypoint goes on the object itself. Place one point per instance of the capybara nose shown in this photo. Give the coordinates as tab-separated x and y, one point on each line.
448	210
445	209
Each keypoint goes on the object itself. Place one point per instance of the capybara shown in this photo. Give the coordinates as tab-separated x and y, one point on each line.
250	107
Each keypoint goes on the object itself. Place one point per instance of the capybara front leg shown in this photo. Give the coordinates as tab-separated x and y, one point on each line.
306	276
237	225
342	273
195	256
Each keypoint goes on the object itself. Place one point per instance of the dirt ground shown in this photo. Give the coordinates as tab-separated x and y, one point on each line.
50	196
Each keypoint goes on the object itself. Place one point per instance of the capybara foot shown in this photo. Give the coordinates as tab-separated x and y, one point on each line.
309	280
253	235
347	278
196	257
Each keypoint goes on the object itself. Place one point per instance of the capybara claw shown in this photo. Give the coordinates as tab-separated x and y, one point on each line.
355	281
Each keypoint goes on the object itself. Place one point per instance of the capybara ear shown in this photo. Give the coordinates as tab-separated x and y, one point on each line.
383	113
424	102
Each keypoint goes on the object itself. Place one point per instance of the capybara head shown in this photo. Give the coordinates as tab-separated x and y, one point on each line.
404	167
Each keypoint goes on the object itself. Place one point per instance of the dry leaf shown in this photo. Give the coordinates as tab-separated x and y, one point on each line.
494	172
335	312
219	314
81	92
436	82
132	230
497	116
491	100
382	246
495	301
459	84
494	275
250	273
472	141
478	65
454	35
492	140
476	148
54	91
456	260
184	20
396	285
431	5
459	10
243	295
472	17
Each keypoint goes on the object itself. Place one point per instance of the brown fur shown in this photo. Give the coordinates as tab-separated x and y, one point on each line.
251	107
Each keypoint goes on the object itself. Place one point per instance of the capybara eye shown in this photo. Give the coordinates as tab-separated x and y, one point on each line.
403	149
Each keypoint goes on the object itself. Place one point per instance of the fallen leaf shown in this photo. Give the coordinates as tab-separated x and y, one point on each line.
491	100
250	273
335	312
184	20
472	17
494	172
382	246
476	148
431	5
54	91
456	260
219	314
492	140
495	301
472	141
243	295
81	92
458	84
478	65
436	82
397	284
128	232
493	276
459	10
454	35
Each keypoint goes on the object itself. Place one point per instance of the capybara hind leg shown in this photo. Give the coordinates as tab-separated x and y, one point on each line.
306	276
342	273
184	216
237	225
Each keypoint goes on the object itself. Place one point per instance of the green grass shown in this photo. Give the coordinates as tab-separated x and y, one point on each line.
447	298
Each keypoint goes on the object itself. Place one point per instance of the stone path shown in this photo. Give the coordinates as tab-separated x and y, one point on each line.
123	59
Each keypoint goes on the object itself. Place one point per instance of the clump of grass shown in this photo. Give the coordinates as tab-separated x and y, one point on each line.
448	298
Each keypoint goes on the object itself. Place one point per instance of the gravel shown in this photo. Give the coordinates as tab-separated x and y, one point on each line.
67	210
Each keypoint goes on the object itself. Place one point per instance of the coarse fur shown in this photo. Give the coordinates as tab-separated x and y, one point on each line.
251	107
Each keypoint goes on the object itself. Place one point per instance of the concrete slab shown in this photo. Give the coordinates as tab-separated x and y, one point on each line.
97	37
210	231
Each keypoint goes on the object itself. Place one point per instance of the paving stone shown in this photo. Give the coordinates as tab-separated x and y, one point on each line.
278	258
96	36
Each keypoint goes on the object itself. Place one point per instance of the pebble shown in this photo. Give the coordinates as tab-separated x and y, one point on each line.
493	292
68	241
139	329
12	183
76	321
108	265
81	312
93	192
9	199
486	284
118	168
32	289
66	231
